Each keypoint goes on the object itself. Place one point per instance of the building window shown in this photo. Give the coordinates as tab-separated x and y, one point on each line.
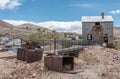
106	38
106	35
89	37
97	23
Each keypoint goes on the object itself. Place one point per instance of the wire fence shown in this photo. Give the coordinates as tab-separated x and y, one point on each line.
49	45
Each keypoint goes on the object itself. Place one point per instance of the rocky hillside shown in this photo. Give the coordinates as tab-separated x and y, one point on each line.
117	32
6	28
33	27
24	29
5	25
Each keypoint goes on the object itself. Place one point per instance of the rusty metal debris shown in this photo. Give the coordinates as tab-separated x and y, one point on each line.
70	51
111	45
61	60
29	55
29	52
59	63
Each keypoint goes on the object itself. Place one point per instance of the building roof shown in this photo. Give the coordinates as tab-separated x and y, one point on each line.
96	19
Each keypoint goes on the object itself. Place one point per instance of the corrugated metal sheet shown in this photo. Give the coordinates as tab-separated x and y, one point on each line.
96	18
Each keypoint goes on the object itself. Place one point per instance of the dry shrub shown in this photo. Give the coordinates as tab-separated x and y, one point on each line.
117	44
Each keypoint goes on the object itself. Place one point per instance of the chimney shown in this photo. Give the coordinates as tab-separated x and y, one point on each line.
102	14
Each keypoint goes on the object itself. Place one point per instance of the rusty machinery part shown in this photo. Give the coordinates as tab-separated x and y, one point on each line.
29	55
59	63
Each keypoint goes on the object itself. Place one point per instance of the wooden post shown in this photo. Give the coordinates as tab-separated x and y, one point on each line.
54	45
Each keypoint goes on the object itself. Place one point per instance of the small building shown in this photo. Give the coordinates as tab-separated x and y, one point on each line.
4	40
15	42
97	29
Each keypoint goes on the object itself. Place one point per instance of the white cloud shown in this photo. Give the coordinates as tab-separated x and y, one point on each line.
18	22
85	5
74	26
115	12
9	4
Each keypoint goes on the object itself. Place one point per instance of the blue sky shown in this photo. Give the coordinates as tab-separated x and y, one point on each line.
57	10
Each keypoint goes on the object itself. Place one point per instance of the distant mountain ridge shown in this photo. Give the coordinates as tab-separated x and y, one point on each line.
4	24
32	26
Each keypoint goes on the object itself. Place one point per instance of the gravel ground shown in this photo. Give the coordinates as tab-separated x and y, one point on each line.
94	62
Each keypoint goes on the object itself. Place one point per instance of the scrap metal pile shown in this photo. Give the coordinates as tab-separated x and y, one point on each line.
61	61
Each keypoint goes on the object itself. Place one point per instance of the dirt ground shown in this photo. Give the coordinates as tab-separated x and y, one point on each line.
94	62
